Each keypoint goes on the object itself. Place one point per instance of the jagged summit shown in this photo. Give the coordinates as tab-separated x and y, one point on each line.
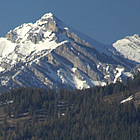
33	31
46	16
50	54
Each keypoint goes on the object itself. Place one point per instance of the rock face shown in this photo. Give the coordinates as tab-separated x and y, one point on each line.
52	55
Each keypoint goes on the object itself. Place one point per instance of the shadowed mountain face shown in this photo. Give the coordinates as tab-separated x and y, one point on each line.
50	54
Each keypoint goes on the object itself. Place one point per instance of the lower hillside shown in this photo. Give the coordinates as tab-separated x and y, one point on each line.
100	113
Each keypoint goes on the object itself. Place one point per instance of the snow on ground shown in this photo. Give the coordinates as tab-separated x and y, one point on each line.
71	79
128	74
119	70
80	84
1	69
4	82
106	76
26	48
66	28
73	69
107	68
129	47
6	47
47	34
128	99
16	51
99	83
21	31
98	66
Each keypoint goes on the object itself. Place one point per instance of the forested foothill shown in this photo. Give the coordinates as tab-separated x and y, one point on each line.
96	113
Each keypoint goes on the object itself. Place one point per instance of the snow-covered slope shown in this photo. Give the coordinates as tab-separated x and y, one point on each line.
129	47
50	54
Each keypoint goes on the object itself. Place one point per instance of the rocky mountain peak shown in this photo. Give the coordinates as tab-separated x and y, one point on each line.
49	22
48	53
136	35
46	16
34	32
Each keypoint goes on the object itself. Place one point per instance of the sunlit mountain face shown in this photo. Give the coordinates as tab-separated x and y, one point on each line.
50	54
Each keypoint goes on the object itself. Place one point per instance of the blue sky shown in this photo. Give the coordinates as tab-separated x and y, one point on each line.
104	20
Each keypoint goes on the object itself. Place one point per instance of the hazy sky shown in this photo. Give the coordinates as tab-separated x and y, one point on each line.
104	20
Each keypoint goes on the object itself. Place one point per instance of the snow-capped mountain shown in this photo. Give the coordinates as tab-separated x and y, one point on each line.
50	54
129	47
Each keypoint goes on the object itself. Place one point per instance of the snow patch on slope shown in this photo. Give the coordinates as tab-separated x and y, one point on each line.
128	99
1	69
6	47
119	72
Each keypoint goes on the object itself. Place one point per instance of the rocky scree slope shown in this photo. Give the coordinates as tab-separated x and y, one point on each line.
50	54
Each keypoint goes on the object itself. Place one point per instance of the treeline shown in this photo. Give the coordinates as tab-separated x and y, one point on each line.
71	115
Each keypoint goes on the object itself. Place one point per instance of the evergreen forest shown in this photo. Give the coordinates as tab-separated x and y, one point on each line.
89	114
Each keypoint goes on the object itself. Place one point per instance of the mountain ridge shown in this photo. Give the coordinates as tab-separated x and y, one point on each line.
50	54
